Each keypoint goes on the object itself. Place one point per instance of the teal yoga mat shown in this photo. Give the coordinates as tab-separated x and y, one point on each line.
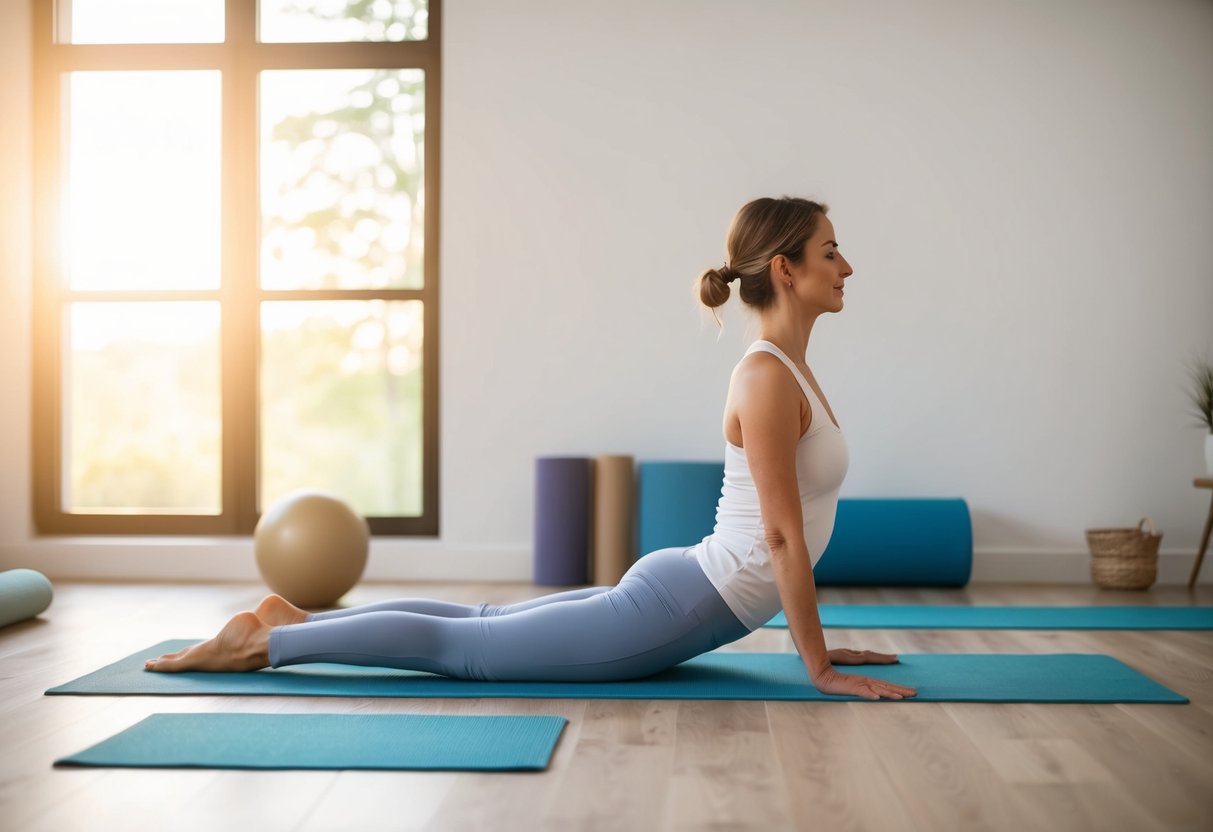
894	616
329	741
916	541
938	677
675	502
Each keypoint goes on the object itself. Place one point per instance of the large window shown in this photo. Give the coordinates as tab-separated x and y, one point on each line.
235	283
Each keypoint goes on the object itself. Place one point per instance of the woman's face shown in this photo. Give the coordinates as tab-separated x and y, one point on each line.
819	279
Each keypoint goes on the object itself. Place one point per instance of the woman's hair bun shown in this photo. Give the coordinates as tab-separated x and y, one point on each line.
713	286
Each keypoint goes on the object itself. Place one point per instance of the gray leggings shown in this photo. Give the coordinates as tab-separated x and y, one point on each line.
662	612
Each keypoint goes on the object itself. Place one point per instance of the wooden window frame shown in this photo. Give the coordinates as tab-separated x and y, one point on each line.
240	59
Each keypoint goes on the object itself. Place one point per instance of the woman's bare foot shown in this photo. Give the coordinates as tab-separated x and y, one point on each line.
242	644
277	611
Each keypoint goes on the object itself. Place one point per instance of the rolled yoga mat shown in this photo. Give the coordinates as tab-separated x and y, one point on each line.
329	741
675	503
612	553
938	677
562	520
898	542
24	593
936	617
876	541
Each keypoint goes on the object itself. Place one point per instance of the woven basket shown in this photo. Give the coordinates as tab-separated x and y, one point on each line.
1124	558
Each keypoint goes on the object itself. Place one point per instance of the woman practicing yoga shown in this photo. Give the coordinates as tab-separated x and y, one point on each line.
785	459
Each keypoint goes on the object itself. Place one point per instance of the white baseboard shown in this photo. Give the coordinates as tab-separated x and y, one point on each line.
1074	567
231	559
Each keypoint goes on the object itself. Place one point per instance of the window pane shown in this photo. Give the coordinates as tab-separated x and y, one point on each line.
140	21
141	410
301	21
143	180
341	402
342	193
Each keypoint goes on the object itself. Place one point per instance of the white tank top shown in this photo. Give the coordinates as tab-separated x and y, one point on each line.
735	556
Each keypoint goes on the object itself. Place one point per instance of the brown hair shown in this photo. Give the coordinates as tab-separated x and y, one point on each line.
763	228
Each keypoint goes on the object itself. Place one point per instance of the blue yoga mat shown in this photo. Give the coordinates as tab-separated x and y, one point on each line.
329	741
875	542
903	542
675	502
955	677
894	616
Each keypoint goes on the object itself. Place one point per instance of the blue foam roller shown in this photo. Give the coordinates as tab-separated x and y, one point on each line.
923	541
876	541
676	503
562	520
24	593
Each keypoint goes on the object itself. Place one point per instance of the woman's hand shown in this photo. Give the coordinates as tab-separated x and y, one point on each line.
849	684
844	656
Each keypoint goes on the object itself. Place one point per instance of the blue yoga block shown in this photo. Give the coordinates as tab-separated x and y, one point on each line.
876	541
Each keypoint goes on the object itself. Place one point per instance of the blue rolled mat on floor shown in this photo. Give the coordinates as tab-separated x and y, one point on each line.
876	541
675	503
329	741
887	542
939	617
562	520
955	677
24	593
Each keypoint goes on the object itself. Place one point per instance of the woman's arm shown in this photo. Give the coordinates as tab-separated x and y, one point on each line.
769	410
798	592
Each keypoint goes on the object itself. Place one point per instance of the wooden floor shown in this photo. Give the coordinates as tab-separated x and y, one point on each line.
637	765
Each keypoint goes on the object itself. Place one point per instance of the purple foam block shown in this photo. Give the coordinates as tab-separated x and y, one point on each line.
562	520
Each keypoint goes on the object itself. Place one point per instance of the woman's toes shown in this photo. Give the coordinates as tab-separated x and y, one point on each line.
169	661
167	657
242	644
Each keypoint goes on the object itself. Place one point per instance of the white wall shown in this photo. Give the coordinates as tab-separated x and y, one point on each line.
16	246
1022	188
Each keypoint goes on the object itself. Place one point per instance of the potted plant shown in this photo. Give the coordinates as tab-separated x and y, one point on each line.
1202	396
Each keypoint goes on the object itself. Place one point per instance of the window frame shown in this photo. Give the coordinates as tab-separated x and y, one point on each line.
240	59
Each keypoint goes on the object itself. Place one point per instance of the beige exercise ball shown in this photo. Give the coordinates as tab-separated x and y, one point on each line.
311	548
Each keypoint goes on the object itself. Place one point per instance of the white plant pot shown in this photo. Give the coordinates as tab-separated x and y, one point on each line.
1209	455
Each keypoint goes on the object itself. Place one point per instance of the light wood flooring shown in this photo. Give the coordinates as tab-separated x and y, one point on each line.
637	765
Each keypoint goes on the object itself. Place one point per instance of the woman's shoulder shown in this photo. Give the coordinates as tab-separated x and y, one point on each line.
762	372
